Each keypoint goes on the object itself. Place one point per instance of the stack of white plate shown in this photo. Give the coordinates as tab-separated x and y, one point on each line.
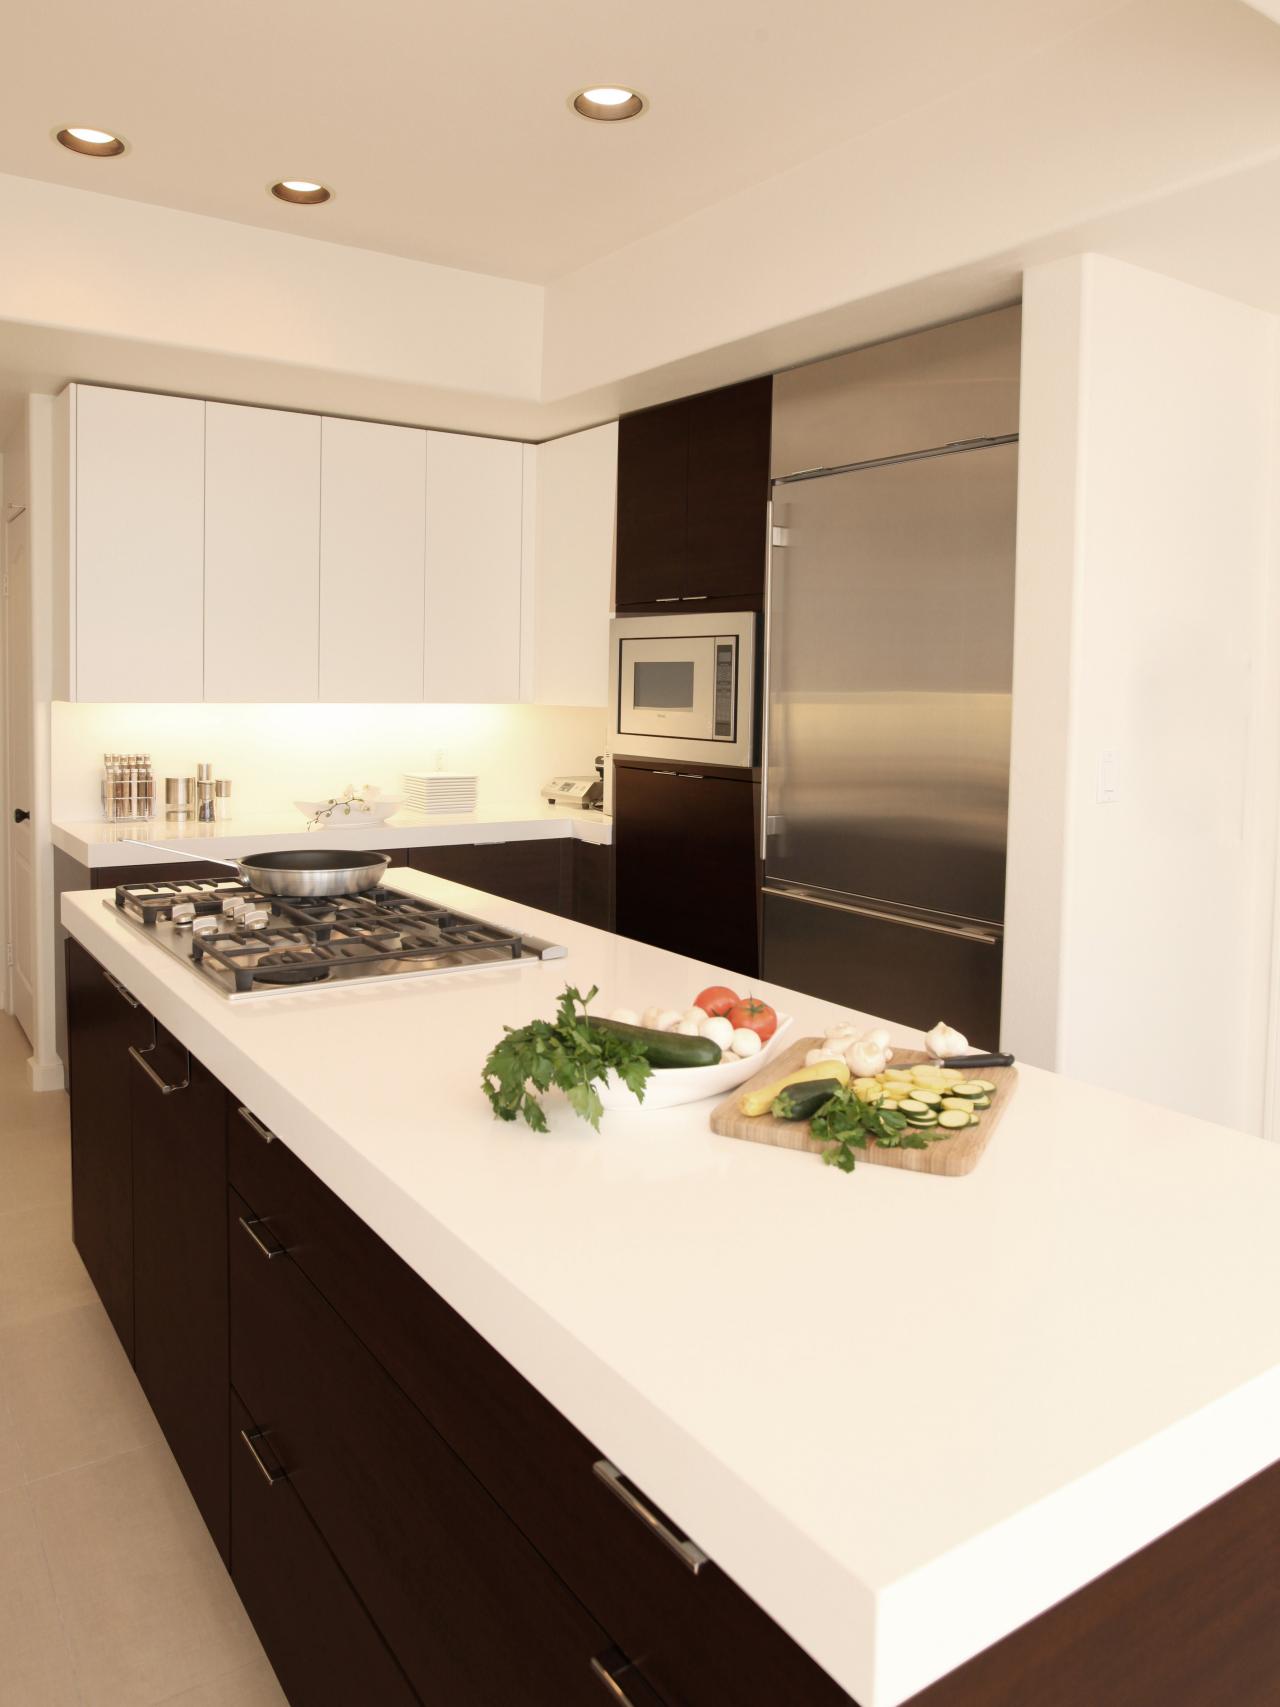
439	791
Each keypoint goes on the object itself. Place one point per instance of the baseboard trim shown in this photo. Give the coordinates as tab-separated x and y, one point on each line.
46	1075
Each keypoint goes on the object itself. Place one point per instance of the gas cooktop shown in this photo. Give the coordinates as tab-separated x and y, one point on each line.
245	944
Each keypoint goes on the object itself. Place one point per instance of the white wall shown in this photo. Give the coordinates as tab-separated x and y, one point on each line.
275	754
1138	933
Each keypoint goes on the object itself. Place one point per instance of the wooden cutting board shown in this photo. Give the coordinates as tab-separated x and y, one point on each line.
956	1153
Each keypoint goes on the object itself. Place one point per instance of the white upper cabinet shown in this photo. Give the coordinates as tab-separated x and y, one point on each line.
474	554
262	554
571	589
220	551
372	541
134	546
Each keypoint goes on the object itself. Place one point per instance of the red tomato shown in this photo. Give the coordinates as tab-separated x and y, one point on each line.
753	1015
716	1000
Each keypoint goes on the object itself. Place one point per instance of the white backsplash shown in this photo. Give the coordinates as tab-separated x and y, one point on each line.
276	754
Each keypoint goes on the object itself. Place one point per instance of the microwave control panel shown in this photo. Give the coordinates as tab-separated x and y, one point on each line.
725	686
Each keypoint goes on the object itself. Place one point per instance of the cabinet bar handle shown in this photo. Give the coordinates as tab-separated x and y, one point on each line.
264	1132
670	599
693	598
119	988
616	1691
140	1056
692	776
662	773
251	1228
688	1552
273	1476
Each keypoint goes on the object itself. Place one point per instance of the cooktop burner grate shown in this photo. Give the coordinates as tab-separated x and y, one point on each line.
248	943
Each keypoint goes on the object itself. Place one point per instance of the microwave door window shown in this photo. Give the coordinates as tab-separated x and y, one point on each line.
663	685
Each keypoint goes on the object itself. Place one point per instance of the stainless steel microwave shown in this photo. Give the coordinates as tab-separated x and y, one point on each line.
683	687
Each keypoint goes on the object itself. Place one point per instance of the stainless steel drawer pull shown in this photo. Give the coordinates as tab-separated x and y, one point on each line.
264	1132
273	1249
273	1476
966	933
140	1056
692	776
119	989
616	1691
662	773
688	1552
669	599
693	598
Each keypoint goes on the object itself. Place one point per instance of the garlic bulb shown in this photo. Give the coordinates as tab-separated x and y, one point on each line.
944	1041
866	1059
879	1035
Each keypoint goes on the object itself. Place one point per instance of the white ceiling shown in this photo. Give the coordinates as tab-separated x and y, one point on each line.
444	129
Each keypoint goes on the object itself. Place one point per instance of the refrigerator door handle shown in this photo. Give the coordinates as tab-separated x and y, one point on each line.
967	933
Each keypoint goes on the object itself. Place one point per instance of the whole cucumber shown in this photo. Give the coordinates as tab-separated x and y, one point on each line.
802	1102
664	1048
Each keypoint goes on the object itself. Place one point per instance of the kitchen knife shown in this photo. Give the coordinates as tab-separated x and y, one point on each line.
967	1061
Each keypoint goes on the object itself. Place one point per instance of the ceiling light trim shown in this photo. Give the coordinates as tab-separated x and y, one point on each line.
314	195
114	146
608	112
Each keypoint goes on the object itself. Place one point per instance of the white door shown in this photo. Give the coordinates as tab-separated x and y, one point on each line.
474	539
261	554
373	517
22	884
138	505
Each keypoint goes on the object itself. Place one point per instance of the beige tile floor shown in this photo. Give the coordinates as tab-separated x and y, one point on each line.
111	1591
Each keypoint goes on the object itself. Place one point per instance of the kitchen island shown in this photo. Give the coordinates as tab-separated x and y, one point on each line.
905	1414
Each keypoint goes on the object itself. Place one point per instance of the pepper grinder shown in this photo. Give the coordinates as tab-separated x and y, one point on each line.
204	791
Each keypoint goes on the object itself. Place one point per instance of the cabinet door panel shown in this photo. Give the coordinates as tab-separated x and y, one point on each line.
685	864
728	492
471	1612
262	554
573	567
372	543
138	529
101	1026
475	526
534	873
653	480
180	1267
322	1643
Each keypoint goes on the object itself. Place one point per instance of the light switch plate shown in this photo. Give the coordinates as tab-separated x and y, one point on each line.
1108	779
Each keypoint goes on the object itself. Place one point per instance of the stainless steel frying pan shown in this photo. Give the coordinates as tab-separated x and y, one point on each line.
295	871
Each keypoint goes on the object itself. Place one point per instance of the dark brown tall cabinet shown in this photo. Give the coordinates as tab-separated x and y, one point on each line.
693	495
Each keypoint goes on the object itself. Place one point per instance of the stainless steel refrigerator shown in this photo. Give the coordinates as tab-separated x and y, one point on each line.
888	675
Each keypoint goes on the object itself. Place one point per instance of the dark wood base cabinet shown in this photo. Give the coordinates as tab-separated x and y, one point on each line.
686	861
408	1521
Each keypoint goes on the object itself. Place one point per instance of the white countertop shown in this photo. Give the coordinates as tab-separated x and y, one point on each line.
905	1413
95	843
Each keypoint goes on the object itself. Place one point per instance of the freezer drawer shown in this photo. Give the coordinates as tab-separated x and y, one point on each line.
912	973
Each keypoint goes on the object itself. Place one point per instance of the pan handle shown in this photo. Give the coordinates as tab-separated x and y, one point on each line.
181	853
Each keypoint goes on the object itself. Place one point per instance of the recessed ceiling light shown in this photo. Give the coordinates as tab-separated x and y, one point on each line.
608	101
81	139
300	190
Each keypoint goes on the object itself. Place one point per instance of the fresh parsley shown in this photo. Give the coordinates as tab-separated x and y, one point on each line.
568	1053
846	1123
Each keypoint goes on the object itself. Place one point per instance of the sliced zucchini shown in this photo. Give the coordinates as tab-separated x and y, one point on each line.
967	1088
952	1104
980	1102
889	1103
932	1098
913	1105
986	1085
953	1119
